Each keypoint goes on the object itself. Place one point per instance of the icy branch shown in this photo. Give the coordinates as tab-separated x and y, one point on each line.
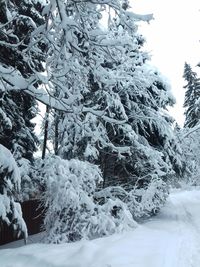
147	17
192	130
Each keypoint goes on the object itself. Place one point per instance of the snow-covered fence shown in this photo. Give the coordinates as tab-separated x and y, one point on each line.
33	216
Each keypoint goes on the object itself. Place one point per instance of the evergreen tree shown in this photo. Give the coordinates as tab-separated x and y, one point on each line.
18	21
118	100
192	94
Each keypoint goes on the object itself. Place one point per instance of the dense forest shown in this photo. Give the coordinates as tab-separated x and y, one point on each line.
108	150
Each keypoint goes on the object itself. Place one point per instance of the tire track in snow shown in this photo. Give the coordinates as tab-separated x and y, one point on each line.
188	212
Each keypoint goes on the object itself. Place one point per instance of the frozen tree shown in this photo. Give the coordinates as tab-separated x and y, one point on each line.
188	137
192	94
18	21
10	211
119	101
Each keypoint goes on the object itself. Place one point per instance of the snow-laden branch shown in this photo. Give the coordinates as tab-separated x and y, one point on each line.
10	80
146	18
192	130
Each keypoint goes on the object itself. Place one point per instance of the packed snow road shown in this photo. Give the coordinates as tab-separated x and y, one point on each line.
171	239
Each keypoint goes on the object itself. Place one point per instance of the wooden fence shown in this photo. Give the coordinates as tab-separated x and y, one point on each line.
33	216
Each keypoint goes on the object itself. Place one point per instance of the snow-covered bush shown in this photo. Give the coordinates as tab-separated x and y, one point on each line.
71	212
148	200
141	202
10	211
31	184
109	218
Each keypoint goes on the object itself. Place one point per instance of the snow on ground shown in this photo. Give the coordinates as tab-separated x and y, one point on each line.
171	239
38	238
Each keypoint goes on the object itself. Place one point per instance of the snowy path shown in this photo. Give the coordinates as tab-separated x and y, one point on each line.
171	239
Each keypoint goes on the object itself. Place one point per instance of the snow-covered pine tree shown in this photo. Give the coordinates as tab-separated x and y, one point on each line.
19	62
188	136
19	19
118	100
192	97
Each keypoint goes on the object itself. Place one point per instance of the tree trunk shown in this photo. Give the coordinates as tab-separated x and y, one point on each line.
46	126
56	134
108	170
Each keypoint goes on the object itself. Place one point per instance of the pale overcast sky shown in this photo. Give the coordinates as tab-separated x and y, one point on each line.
172	38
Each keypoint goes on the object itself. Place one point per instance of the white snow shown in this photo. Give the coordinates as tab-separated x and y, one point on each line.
8	162
171	239
10	182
